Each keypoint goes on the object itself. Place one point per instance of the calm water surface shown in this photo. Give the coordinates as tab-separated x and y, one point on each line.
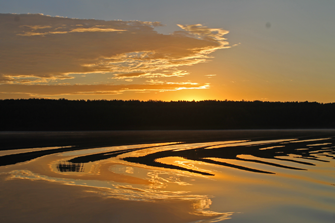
246	180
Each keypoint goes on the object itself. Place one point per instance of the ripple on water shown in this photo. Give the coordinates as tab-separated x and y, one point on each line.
277	180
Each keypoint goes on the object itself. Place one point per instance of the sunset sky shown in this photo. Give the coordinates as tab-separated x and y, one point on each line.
266	50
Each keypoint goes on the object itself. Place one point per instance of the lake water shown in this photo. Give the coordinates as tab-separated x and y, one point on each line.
279	177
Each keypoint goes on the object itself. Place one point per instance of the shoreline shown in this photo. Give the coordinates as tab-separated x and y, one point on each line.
88	139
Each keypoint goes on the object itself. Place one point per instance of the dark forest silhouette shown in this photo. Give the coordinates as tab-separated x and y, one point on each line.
62	114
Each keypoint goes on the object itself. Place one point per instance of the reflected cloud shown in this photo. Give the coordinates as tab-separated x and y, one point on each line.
198	204
186	182
176	173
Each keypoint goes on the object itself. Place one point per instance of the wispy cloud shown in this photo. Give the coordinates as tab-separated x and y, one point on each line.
39	48
210	75
51	90
178	73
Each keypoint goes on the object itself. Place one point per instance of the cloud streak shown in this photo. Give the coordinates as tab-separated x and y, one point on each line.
52	90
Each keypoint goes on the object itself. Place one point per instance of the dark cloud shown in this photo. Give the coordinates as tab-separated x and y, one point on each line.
5	79
44	46
36	49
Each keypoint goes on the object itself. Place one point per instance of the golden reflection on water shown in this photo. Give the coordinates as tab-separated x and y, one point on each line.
208	181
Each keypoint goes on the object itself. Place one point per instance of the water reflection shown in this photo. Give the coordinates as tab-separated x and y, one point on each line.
70	167
209	180
269	150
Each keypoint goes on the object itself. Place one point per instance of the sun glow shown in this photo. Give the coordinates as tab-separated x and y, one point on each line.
190	95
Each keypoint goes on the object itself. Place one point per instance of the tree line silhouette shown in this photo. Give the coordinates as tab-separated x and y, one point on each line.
82	115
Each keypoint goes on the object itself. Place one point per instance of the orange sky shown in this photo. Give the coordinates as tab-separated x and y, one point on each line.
57	57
